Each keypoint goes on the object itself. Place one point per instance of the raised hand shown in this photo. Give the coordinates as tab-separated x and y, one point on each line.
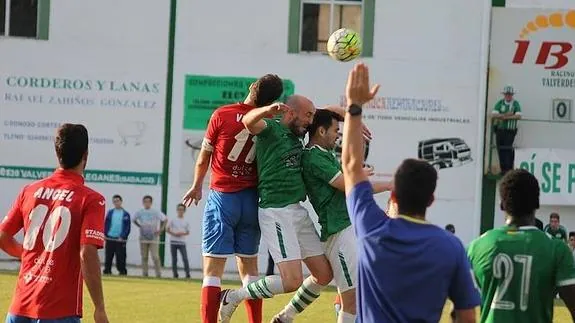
358	90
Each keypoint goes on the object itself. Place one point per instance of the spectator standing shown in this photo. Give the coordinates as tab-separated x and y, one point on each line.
505	115
151	223
117	229
179	229
555	229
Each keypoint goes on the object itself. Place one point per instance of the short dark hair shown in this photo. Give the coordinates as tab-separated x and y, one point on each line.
414	185
323	119
571	234
267	89
147	197
450	227
181	205
554	216
71	144
117	196
519	192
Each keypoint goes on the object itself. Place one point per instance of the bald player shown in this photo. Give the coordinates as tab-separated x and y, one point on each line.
285	224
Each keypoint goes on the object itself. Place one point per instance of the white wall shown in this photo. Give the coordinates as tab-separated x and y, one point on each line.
90	42
431	53
535	98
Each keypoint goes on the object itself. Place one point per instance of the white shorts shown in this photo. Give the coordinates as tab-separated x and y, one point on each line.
289	233
341	252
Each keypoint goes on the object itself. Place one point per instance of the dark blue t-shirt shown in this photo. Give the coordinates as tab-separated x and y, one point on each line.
407	267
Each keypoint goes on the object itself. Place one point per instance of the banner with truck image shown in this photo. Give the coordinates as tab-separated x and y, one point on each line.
555	170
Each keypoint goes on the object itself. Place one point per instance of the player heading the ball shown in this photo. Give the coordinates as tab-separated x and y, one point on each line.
230	223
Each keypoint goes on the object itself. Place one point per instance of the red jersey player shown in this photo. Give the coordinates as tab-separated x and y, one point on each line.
63	223
230	222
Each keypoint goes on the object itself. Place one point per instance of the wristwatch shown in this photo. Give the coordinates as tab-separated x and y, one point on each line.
354	110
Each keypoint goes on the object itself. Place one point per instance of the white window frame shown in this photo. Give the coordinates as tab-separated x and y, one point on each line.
332	4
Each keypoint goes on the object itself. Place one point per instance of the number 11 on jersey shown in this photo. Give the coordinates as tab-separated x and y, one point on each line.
241	141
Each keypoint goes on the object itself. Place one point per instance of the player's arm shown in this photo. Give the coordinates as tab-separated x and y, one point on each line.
254	120
565	275
92	239
10	225
194	194
364	213
463	290
376	186
357	93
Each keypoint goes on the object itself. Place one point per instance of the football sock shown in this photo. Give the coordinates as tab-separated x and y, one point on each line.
337	305
345	317
210	302
265	287
307	293
253	306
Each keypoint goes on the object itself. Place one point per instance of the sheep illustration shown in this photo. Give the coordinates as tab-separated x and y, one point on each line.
132	132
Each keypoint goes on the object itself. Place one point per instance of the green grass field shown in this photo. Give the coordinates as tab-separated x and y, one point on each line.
138	300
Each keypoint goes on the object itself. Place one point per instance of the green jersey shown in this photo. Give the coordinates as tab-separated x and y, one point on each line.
320	169
278	152
559	234
502	107
518	271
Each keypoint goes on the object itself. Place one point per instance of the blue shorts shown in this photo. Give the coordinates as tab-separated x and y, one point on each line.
230	224
21	319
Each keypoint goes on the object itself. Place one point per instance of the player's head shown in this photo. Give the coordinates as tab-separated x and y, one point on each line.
508	93
572	239
519	192
554	220
147	201
266	90
71	146
414	184
325	128
450	227
117	200
181	209
300	116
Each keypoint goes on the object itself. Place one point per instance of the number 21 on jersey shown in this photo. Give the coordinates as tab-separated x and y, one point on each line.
53	235
504	269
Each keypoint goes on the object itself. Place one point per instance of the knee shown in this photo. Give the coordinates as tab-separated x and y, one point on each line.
324	277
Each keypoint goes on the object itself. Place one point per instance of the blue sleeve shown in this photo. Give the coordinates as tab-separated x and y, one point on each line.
364	213
127	225
463	290
107	222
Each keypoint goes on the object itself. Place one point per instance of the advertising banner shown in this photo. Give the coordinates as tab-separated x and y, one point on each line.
555	170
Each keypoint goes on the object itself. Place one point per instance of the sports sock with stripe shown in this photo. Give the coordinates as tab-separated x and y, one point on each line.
210	302
253	306
307	293
265	287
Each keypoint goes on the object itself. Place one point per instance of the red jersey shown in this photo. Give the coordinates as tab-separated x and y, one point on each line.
58	214
233	149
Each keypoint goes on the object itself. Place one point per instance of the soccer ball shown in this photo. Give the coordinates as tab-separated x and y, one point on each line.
344	45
